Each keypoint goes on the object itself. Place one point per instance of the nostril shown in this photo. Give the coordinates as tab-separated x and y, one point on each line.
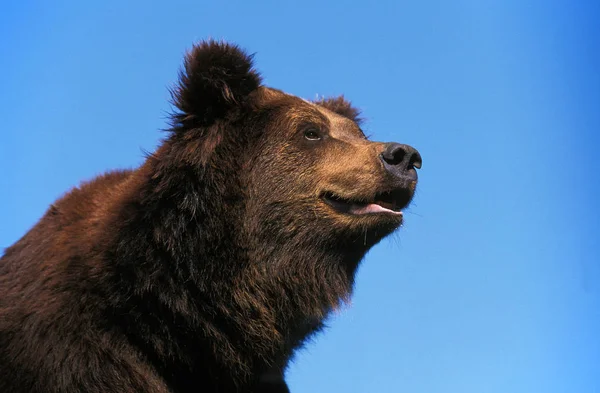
394	154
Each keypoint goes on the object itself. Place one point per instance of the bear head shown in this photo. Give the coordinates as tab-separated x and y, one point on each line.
299	174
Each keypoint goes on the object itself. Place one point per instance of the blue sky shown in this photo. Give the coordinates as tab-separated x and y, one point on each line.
493	285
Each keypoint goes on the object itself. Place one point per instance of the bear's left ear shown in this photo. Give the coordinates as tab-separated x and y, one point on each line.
342	107
216	78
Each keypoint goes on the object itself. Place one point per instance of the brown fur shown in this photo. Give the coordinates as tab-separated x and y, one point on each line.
205	268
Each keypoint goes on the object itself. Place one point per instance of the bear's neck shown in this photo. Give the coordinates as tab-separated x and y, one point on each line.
199	294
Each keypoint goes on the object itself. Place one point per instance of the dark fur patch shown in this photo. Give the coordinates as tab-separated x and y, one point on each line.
216	77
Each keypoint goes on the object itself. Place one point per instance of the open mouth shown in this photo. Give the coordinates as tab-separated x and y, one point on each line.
383	203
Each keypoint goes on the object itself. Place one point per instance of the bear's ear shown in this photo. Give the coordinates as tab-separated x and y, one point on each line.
216	78
342	107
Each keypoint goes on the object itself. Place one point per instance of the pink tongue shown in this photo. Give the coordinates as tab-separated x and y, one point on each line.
370	208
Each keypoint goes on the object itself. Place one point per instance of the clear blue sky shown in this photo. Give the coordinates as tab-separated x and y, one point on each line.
493	285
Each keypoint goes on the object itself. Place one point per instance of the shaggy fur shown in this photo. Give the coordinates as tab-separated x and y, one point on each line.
206	267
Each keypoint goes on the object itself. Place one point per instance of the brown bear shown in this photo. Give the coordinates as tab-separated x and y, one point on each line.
204	269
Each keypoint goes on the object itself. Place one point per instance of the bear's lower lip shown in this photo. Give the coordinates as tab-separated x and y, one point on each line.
378	206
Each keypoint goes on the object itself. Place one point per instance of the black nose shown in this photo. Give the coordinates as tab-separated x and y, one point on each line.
401	160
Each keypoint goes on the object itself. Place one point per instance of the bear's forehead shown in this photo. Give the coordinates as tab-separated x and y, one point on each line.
340	126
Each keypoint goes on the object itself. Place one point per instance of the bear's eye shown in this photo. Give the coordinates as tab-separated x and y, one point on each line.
312	134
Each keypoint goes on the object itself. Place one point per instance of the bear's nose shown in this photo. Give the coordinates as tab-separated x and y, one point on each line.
401	160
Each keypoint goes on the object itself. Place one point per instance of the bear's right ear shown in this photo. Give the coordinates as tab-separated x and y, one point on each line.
215	79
